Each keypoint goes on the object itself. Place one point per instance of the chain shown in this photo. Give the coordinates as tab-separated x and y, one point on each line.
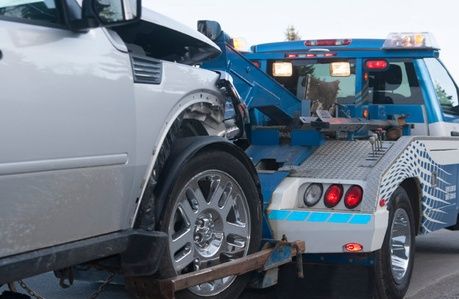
102	286
29	291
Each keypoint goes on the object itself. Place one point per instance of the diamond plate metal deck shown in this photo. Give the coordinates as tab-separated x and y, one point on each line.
340	160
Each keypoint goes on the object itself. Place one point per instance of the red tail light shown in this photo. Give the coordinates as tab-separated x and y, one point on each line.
333	195
376	64
353	197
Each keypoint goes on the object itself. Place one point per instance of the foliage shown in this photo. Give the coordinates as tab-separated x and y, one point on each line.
291	33
445	99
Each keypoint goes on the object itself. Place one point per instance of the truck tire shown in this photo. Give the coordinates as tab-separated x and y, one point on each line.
213	215
394	261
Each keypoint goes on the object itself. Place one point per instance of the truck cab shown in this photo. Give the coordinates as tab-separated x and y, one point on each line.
383	78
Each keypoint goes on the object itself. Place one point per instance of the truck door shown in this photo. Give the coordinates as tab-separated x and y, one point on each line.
446	121
66	128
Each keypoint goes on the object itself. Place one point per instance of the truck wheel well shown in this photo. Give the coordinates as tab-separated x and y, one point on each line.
413	189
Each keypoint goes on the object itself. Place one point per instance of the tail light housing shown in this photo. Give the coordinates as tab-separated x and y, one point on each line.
333	195
353	197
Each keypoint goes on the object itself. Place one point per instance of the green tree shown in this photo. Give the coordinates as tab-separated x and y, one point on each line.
291	33
445	99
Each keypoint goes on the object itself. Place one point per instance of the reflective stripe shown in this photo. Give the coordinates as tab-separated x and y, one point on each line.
318	217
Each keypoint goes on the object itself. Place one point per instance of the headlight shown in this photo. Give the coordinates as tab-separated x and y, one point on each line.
313	194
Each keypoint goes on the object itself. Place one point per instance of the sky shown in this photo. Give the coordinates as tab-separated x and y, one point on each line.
260	21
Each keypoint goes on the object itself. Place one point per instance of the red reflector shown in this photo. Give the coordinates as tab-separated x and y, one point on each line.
382	202
353	197
376	64
353	247
333	195
327	42
256	63
292	55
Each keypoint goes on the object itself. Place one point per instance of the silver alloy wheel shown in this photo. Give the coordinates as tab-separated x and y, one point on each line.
211	225
400	245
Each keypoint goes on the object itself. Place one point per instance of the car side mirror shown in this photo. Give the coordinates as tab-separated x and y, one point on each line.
113	12
103	13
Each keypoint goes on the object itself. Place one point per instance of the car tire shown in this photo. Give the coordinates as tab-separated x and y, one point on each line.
212	236
394	261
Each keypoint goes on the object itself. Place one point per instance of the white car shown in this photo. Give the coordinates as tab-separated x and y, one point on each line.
113	144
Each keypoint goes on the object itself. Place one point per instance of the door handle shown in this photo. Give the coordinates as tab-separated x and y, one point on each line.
455	133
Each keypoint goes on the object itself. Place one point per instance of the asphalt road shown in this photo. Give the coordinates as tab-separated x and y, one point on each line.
436	275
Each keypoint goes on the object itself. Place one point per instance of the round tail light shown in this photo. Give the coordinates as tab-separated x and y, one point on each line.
333	195
312	194
353	197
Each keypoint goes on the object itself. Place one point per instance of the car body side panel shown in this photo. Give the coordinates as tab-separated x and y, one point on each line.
67	125
157	107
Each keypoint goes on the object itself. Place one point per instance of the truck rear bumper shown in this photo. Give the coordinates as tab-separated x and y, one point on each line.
328	232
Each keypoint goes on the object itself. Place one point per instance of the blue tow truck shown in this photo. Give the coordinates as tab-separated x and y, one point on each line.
355	144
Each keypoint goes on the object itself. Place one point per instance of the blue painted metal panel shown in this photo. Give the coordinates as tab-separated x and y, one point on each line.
413	112
298	216
340	218
307	138
265	136
285	154
321	217
258	90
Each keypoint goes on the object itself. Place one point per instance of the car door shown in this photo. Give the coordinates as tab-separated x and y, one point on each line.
66	130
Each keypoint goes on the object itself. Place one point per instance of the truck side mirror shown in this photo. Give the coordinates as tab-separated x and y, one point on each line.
211	29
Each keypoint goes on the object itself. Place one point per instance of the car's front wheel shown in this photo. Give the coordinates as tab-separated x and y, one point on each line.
213	215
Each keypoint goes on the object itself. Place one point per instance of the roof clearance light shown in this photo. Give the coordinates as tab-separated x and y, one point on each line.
410	40
327	42
282	69
376	64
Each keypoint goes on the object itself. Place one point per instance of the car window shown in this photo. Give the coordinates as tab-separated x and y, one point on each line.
30	10
445	88
398	84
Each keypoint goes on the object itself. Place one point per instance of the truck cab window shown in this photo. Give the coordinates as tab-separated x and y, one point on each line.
445	88
314	80
397	84
30	10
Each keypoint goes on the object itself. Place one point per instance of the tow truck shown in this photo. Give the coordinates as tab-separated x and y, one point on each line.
355	144
356	165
